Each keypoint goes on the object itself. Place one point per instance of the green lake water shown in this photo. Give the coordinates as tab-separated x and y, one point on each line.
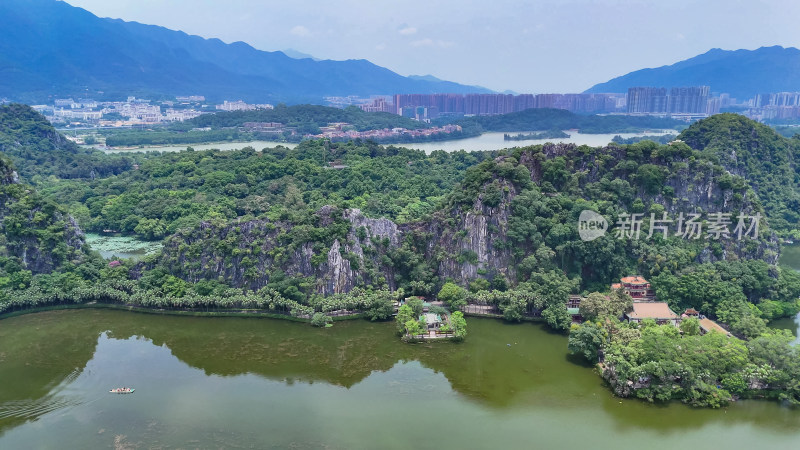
126	247
263	383
790	256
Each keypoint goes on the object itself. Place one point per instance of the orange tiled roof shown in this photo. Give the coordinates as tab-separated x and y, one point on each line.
634	280
651	310
709	325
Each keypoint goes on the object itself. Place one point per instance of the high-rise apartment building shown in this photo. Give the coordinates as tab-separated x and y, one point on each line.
681	100
489	104
688	100
647	100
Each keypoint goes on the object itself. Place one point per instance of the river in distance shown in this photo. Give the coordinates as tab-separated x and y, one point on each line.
486	141
225	146
495	141
265	383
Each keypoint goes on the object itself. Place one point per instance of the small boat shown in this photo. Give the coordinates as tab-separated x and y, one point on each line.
122	390
790	242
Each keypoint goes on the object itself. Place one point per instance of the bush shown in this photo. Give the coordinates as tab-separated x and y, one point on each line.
453	295
321	320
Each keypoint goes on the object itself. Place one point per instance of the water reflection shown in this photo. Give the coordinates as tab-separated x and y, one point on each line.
252	382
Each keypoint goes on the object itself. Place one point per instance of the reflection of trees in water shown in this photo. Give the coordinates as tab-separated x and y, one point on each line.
500	366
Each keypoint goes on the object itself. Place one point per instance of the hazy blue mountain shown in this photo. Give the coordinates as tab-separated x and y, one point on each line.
742	73
433	79
296	54
49	47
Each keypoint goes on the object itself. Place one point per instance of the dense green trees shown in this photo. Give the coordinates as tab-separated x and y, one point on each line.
453	294
404	315
597	305
304	116
742	293
321	320
175	191
458	325
164	137
757	152
38	151
587	340
708	370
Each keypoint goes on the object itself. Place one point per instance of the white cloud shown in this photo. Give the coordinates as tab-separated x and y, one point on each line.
299	30
380	47
427	42
408	31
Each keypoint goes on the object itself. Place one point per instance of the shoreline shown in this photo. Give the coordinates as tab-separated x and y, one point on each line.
179	146
240	313
388	143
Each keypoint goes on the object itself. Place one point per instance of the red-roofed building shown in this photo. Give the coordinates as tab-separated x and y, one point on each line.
691	312
637	287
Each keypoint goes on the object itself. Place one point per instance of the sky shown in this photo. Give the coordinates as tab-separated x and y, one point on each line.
535	46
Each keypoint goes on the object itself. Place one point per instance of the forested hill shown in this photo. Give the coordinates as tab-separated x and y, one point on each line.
769	162
36	236
306	117
36	148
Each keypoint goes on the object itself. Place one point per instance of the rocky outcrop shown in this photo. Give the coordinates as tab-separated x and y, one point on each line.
689	186
462	242
7	173
39	235
261	253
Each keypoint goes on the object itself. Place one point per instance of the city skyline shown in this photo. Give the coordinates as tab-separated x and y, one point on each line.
502	48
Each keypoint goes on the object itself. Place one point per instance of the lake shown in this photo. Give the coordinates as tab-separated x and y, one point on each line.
486	141
126	247
263	383
495	141
790	256
258	145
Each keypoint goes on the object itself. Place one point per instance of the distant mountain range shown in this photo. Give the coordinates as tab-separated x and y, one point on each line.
296	54
741	73
48	47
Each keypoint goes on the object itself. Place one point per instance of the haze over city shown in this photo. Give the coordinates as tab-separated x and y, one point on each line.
543	46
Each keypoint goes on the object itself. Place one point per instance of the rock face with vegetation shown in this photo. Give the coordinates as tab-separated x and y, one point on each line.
35	235
7	173
335	256
511	216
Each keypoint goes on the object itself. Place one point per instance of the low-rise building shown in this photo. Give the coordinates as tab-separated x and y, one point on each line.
707	325
658	311
433	321
637	287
